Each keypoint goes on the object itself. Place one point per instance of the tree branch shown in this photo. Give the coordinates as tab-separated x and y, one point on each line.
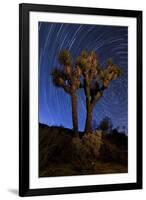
96	98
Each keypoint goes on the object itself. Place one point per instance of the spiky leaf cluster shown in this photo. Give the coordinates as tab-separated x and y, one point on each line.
65	57
69	76
89	64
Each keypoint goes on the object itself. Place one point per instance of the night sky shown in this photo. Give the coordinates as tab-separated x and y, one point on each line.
106	41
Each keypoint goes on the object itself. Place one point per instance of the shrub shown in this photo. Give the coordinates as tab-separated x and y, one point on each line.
86	150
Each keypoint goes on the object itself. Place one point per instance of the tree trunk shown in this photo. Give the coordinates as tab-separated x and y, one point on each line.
88	127
74	113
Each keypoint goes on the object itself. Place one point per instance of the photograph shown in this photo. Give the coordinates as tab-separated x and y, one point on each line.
80	103
83	99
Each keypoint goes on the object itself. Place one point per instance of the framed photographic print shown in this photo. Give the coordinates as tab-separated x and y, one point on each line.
80	100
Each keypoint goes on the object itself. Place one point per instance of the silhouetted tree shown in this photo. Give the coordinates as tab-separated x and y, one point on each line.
106	124
95	80
69	79
115	131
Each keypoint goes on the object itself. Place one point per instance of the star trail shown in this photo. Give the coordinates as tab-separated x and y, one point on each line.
107	42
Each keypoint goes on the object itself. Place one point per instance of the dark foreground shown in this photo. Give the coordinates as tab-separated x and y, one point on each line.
60	154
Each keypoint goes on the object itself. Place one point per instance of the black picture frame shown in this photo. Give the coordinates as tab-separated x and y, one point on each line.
24	9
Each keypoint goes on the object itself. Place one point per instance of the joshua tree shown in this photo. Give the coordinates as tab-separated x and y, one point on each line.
69	79
95	80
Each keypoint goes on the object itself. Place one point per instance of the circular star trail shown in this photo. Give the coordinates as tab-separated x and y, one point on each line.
107	42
